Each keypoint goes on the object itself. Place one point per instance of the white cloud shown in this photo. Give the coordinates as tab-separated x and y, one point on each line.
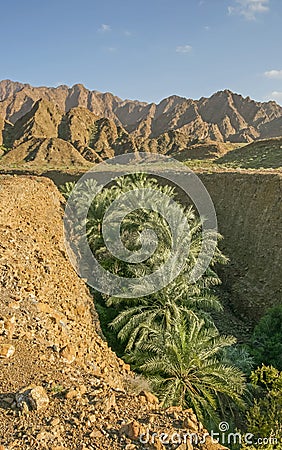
249	8
207	28
104	28
273	74
276	95
183	49
127	33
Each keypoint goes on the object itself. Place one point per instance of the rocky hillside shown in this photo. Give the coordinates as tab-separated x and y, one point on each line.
224	116
44	152
204	150
261	154
45	136
66	127
61	387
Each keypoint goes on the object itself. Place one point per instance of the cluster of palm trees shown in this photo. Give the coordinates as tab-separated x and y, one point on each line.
168	336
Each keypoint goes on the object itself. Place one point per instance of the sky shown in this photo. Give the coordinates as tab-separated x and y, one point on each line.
145	50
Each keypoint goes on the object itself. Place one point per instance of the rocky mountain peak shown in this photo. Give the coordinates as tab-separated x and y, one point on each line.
74	114
8	88
41	121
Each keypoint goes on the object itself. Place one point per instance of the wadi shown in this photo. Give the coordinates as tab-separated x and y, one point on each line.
124	360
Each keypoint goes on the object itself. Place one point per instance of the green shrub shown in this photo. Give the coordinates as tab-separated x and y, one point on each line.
264	418
266	342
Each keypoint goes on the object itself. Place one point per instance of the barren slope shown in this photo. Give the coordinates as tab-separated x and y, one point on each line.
44	152
261	154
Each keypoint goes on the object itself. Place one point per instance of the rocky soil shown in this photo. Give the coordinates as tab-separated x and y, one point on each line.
61	387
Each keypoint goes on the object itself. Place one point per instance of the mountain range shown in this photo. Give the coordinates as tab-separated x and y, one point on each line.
74	125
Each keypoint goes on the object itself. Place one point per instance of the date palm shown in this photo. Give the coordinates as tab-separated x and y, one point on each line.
138	315
184	365
180	297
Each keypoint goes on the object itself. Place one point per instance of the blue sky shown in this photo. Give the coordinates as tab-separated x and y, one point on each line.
146	50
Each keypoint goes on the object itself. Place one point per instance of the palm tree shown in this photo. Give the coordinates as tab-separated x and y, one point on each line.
180	297
66	189
240	357
140	219
184	366
139	315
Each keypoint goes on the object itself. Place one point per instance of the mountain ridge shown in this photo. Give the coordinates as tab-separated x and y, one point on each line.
224	117
46	135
